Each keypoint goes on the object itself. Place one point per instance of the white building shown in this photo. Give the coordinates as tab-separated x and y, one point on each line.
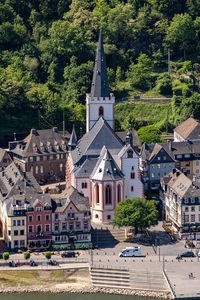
100	164
181	202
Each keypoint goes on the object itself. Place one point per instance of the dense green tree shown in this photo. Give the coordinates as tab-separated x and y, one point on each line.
77	81
149	134
140	73
137	212
181	33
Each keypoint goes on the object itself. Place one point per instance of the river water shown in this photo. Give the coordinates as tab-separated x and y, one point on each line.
71	297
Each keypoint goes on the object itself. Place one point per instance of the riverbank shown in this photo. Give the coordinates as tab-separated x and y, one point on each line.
74	281
88	290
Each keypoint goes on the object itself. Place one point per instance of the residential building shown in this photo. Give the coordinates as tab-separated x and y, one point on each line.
101	165
183	155
16	222
155	162
71	223
187	130
42	152
181	202
15	188
39	221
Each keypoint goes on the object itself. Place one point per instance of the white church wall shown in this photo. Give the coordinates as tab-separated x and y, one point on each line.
131	165
80	185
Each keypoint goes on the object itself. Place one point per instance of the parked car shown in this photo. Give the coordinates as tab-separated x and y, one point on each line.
84	247
185	254
130	252
68	254
189	245
33	263
53	262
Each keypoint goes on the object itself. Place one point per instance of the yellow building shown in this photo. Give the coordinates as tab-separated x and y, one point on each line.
16	226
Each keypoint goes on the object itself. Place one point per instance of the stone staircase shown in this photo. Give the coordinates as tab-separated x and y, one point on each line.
105	236
110	278
148	280
128	279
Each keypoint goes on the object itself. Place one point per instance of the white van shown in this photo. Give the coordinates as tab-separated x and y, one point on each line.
130	252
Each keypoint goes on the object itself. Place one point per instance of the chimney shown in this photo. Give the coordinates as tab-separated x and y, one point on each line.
170	145
55	129
33	131
177	173
185	173
174	171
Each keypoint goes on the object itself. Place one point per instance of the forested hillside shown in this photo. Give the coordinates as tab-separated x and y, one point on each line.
47	51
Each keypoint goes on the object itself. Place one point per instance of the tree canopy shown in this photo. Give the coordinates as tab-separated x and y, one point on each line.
137	212
47	52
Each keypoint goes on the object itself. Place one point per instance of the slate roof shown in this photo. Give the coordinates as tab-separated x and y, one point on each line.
70	194
91	143
182	185
41	142
2	153
13	181
148	151
106	168
86	168
189	129
122	136
100	86
73	138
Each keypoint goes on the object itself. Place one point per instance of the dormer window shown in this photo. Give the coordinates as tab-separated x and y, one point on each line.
101	111
42	146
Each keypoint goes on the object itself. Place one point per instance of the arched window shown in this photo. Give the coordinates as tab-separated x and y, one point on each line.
97	193
101	112
130	153
119	193
108	194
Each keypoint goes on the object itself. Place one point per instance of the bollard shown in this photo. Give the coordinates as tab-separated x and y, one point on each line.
108	260
125	260
116	260
150	260
99	260
142	260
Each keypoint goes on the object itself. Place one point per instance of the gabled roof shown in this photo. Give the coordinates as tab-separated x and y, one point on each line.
100	86
91	143
182	185
70	194
122	136
41	142
125	149
13	181
106	168
189	129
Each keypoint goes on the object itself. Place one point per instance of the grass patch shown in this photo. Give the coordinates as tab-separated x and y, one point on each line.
27	278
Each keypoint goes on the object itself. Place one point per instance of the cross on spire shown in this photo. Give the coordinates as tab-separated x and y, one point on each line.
100	86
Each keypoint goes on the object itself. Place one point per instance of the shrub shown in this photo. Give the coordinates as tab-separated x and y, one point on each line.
6	255
27	255
48	255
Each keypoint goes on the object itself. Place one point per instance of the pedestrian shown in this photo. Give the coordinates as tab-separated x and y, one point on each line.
189	275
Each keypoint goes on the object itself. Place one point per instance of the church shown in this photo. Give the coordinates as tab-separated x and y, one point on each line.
101	165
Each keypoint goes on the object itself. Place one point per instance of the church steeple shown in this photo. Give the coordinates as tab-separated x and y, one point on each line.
100	86
100	103
73	140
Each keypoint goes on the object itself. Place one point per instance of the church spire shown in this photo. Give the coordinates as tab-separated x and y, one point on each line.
100	86
73	140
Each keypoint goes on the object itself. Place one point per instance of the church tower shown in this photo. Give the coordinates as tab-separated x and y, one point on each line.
100	103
